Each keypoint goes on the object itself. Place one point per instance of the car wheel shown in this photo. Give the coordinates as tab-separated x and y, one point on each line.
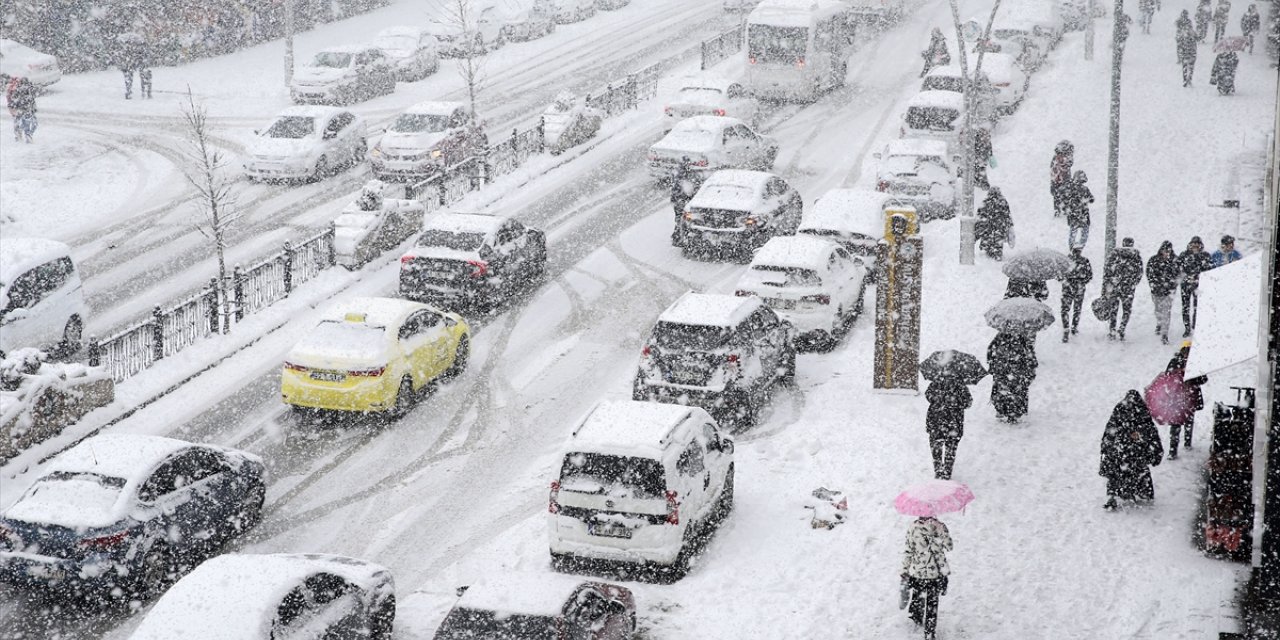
321	170
158	571
404	399
382	619
71	337
742	412
725	504
460	357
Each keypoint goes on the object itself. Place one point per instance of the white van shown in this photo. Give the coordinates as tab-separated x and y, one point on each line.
640	482
797	49
41	301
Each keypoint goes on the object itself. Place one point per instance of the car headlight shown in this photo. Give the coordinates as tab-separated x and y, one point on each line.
436	153
377	151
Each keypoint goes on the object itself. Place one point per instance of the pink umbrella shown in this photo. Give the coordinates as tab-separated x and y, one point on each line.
1168	399
1231	43
931	497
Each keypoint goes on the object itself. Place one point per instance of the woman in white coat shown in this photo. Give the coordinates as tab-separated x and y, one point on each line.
925	570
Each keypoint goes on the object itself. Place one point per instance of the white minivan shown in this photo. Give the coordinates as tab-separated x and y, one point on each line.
41	301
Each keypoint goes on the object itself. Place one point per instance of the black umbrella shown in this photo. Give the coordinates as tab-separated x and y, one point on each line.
1037	264
1019	315
950	364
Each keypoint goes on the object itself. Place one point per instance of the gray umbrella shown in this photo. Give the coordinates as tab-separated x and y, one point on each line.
1019	315
1037	264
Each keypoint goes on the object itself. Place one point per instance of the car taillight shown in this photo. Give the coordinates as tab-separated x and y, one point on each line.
368	373
1000	84
821	298
295	367
673	508
719	112
479	268
552	505
750	221
751	60
701	163
800	63
105	542
882	185
666	110
407	259
647	351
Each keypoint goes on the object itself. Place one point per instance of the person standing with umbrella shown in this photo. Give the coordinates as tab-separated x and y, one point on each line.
949	373
925	569
1162	277
1073	286
1130	447
1120	279
994	226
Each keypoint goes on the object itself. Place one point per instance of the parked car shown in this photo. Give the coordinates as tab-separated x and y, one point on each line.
569	122
918	172
567	11
20	61
711	143
473	260
411	50
306	143
721	353
935	115
41	298
640	482
1025	39
950	78
482	32
118	515
1007	79
280	596
528	20
342	75
518	606
610	5
374	355
812	283
736	212
426	138
710	95
854	218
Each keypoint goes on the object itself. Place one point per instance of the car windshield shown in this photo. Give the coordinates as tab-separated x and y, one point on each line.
70	499
397	42
672	335
345	340
943	83
614	476
932	118
292	127
420	123
474	624
786	276
457	240
703	93
767	43
332	60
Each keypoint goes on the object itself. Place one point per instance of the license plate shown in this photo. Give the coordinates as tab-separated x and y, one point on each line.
440	275
686	377
608	530
328	376
780	303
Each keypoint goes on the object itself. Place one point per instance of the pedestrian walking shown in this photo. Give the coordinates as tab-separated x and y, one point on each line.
1178	366
1204	15
1162	278
994	226
1191	263
132	55
1223	74
1060	174
1130	447
1120	277
945	422
1220	17
1250	22
1226	253
1073	286
981	156
1012	360
1078	199
1186	40
936	55
925	570
1146	12
684	184
21	98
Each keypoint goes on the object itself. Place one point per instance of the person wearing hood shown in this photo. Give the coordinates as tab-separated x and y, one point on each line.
1250	22
1130	447
684	184
1186	40
1012	360
1162	278
1178	366
1120	277
945	422
1204	15
994	226
1078	199
925	570
1060	174
1073	286
1191	263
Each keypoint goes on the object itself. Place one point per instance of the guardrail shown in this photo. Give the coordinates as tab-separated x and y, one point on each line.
719	48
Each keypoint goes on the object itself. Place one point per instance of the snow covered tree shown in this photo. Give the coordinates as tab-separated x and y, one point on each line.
462	19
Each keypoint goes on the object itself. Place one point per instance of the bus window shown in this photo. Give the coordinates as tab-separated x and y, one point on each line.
784	45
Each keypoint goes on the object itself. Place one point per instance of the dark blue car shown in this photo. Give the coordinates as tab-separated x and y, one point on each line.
123	516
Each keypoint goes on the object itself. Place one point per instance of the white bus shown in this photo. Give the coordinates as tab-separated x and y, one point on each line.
796	49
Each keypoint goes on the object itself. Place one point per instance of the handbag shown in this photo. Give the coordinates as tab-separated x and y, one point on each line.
1104	308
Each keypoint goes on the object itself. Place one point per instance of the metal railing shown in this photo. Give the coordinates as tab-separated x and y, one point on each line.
721	47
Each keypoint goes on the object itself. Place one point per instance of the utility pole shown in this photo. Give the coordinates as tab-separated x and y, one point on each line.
1088	32
1119	33
967	221
288	42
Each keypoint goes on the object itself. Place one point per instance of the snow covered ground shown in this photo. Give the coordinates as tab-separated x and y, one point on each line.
458	488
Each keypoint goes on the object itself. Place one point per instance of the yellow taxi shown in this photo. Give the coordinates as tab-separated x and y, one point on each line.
374	355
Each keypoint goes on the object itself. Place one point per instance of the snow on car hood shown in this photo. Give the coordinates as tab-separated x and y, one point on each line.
396	141
318	75
287	147
679	141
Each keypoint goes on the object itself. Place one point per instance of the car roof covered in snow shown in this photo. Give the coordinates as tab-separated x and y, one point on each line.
119	455
519	593
916	147
946	99
629	427
434	107
386	312
858	211
732	189
319	112
706	80
705	123
18	255
458	222
348	48
402	30
237	595
801	251
709	310
792	13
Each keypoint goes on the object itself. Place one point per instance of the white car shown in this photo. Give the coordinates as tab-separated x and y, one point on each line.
41	299
283	596
341	75
567	11
854	218
482	31
710	95
935	115
1027	39
1008	80
813	283
639	482
711	143
610	5
535	606
525	20
411	50
735	212
918	172
306	142
425	138
20	61
950	78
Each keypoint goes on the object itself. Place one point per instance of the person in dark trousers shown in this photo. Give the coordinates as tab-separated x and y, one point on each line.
994	226
1120	277
1250	22
1076	206
925	570
1186	40
1146	12
1220	17
1130	447
1073	286
945	422
936	55
21	98
1204	15
1223	74
133	56
981	156
1012	360
1060	174
1178	365
684	184
1162	278
1191	263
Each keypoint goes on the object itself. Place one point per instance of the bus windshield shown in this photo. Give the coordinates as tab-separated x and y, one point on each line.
784	45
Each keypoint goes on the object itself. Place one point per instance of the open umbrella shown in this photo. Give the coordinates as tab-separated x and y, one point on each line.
1169	399
1019	315
950	364
931	497
1232	43
1037	264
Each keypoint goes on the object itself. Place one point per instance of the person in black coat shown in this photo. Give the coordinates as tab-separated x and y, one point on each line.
994	226
1191	263
1037	289
1012	360
1073	286
1204	15
684	184
1130	447
1162	277
1186	39
945	422
1120	279
936	54
1250	22
1076	203
1223	74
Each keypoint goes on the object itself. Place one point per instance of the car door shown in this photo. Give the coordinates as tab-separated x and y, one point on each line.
730	149
506	260
31	317
716	460
691	467
179	516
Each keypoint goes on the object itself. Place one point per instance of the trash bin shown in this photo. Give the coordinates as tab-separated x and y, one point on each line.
1227	517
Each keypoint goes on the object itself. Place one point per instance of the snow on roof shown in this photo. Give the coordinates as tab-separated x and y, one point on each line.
705	123
234	596
434	107
792	13
732	189
709	310
386	312
119	455
316	111
627	427
802	251
530	594
347	48
946	99
916	147
18	255
465	222
849	211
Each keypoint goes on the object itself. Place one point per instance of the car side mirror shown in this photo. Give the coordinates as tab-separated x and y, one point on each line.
257	132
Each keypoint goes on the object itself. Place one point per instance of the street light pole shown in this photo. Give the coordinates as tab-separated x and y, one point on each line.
1119	33
967	220
1088	32
288	42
